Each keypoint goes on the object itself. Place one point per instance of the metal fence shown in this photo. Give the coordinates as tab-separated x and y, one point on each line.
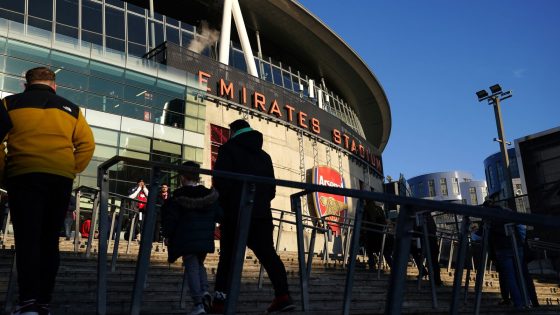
410	207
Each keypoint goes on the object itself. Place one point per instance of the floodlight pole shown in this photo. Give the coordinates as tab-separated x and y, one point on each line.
495	102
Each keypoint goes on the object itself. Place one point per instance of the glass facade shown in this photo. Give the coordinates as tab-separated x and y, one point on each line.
124	29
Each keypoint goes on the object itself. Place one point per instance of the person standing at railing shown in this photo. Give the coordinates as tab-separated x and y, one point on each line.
140	193
161	198
243	153
188	221
373	227
70	218
48	143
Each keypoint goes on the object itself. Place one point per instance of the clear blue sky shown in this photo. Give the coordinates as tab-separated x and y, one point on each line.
431	57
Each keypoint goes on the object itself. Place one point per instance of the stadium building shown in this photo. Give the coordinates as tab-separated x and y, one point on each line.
161	80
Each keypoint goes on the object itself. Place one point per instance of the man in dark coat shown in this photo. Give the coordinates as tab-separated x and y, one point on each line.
243	153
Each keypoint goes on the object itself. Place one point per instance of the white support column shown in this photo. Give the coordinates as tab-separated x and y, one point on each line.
225	33
245	45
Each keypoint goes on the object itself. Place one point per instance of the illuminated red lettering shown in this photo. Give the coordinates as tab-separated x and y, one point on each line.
301	119
226	89
290	111
353	147
336	136
346	144
244	95
315	125
203	80
361	150
258	101
275	109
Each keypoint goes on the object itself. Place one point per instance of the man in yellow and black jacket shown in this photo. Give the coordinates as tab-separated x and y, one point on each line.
48	142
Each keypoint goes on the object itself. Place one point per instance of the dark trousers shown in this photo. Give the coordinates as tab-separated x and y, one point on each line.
261	243
38	204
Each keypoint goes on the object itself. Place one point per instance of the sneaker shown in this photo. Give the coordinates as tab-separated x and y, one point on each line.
282	303
218	303
207	301
29	307
198	309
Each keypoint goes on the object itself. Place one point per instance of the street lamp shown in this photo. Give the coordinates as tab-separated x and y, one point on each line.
494	100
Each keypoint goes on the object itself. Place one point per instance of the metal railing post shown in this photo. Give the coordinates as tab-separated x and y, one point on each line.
354	243
403	236
241	235
459	265
117	240
427	253
381	256
311	250
303	281
143	263
517	262
103	196
481	269
77	223
94	218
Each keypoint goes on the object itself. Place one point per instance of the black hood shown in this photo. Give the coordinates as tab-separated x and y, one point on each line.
195	197
250	140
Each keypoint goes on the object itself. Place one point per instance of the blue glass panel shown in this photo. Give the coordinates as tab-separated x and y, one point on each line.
172	35
136	50
171	89
104	70
27	51
91	16
136	9
105	87
77	97
40	8
67	12
267	71
19	67
114	44
287	80
70	62
187	38
13	5
114	22
72	79
13	84
11	16
136	29
39	23
277	76
140	80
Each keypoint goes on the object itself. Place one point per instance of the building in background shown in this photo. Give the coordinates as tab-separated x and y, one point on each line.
163	85
453	186
493	168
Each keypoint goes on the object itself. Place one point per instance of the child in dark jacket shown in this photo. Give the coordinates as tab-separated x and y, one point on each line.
188	222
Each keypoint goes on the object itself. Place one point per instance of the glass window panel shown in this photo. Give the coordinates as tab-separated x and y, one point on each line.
105	87
104	136
77	97
72	79
13	84
106	71
92	38
192	110
189	153
40	23
167	147
277	76
201	125
136	29
12	16
116	3
115	44
172	35
114	22
13	5
186	38
134	142
287	80
134	154
40	8
94	101
187	26
2	58
136	111
136	50
67	12
191	124
66	61
171	21
267	71
171	88
158	16
140	80
199	155
202	111
239	60
103	151
27	51
91	16
158	30
135	8
18	67
135	94
66	31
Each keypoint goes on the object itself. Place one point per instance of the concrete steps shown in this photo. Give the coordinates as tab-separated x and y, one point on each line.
75	291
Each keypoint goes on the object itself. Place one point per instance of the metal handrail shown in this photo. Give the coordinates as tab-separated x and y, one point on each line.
405	221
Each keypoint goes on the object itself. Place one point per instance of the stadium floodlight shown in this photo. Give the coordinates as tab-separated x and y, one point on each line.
481	94
495	89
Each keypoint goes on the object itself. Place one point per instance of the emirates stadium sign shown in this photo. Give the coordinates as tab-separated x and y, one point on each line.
328	206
